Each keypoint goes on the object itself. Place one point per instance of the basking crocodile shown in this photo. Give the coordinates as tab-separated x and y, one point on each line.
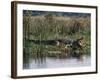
75	46
74	43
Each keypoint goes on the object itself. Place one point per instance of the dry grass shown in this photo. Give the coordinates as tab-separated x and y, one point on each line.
54	27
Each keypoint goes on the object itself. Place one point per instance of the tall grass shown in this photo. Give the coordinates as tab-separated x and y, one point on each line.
50	27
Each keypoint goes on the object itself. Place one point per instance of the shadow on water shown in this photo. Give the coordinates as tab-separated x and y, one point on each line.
56	62
39	58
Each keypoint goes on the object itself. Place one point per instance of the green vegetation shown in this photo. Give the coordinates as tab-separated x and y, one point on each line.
51	27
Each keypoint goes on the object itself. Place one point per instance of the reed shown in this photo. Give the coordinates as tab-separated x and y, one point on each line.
50	27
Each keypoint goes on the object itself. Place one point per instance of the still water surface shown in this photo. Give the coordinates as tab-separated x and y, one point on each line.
58	63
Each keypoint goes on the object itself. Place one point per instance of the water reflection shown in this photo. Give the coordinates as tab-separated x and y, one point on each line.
50	62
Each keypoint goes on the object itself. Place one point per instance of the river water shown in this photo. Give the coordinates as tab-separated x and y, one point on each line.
58	63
